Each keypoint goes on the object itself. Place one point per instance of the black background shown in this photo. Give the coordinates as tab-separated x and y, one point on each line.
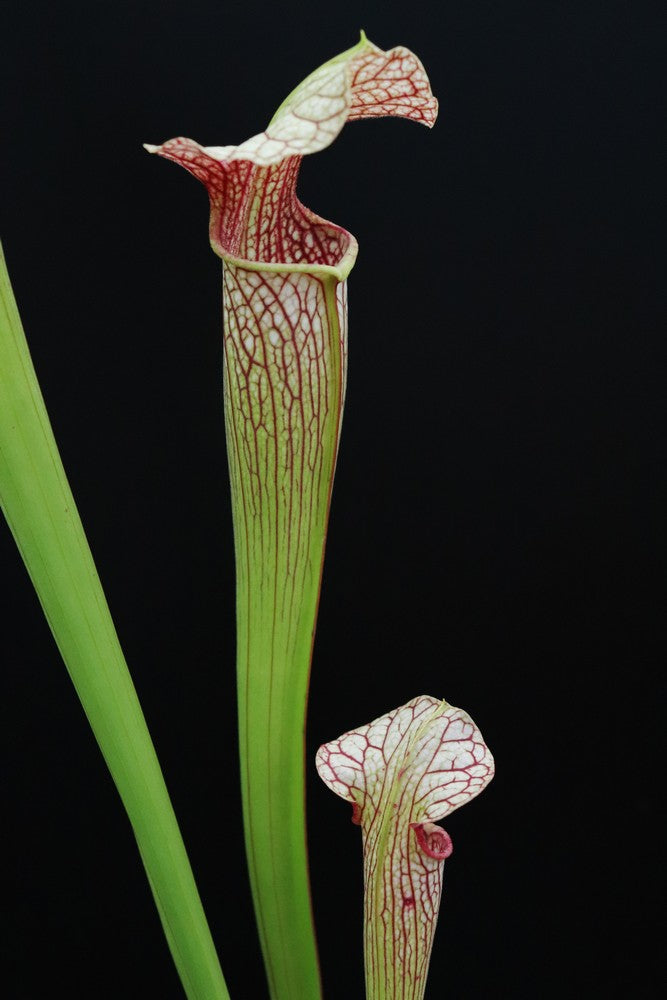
496	526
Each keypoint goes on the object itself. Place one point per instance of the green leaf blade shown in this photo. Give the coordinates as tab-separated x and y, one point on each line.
43	518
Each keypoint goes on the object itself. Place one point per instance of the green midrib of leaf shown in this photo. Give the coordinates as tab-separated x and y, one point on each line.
41	513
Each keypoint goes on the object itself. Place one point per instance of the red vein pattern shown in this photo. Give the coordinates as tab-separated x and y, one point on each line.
401	773
285	316
285	357
255	214
284	374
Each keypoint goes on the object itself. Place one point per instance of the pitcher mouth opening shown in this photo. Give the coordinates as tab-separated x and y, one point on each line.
343	256
273	230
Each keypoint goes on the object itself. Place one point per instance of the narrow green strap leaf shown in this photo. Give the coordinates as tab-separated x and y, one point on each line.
39	507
